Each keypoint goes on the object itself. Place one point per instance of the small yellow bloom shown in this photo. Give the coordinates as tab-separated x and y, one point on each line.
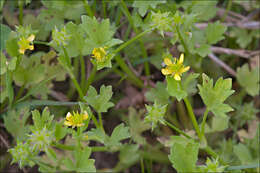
76	119
99	54
26	43
175	68
86	137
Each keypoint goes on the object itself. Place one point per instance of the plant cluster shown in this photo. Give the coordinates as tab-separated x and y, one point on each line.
196	113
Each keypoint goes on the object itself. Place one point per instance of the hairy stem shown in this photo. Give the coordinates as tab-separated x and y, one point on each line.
177	130
204	121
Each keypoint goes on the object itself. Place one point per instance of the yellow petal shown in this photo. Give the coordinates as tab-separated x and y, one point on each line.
31	47
80	125
185	69
21	51
31	38
166	71
181	59
177	77
68	115
167	61
85	115
67	123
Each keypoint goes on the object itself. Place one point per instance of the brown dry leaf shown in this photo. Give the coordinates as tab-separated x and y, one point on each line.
250	134
133	98
255	61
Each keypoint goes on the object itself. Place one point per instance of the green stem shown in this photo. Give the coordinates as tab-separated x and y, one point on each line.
132	40
78	137
72	76
83	71
76	84
91	78
64	147
104	8
20	92
95	121
20	12
182	40
129	72
227	10
193	119
100	121
142	165
204	121
41	42
130	19
87	8
101	148
118	16
177	130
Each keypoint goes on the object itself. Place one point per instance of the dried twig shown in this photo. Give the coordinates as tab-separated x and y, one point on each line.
4	141
59	96
232	14
246	25
239	52
222	64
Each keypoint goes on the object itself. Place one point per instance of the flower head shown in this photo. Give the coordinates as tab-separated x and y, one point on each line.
175	68
21	153
26	43
40	139
162	21
75	119
155	114
60	38
99	54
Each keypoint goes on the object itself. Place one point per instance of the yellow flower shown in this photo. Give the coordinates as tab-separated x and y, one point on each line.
175	68
99	54
26	43
76	119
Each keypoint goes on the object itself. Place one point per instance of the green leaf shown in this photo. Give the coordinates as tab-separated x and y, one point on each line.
143	6
97	135
30	71
213	97
246	113
12	47
128	155
60	131
81	162
249	79
158	94
204	50
174	88
15	123
137	125
184	157
76	43
98	33
243	153
119	133
214	32
44	120
189	83
217	124
5	31
100	102
204	10
243	38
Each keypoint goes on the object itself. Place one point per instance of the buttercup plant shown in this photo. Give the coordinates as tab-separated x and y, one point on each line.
129	86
